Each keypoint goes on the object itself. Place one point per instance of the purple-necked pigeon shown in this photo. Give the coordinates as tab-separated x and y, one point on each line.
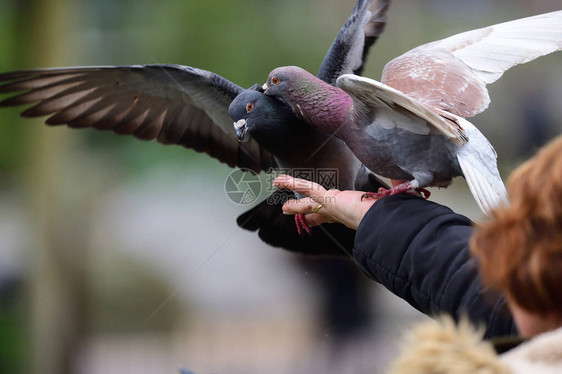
411	127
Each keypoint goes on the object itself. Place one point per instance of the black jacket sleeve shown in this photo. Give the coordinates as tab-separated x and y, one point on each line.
419	251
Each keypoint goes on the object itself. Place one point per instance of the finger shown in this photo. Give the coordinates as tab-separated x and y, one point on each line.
300	206
317	219
302	186
307	206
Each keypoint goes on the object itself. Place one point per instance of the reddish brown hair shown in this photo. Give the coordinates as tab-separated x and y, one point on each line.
520	249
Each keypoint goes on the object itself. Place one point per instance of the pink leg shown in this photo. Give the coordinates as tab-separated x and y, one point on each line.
301	224
405	187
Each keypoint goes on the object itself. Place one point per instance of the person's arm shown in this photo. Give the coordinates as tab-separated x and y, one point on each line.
415	248
419	251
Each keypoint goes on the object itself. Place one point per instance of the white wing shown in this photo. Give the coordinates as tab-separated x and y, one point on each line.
451	74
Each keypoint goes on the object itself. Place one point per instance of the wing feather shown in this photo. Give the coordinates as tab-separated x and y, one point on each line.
349	50
375	96
170	103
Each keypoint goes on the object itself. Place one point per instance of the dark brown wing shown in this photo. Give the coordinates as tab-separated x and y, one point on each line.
170	103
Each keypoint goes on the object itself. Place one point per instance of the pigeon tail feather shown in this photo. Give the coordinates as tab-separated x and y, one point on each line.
478	162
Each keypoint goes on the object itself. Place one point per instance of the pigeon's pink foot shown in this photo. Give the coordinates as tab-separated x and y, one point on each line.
401	188
376	195
383	192
301	224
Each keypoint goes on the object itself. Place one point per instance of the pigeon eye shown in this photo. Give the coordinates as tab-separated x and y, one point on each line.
249	107
275	80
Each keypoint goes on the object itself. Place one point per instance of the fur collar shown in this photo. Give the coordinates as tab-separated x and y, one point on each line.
440	346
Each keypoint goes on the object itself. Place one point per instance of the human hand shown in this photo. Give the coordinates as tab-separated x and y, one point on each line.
345	207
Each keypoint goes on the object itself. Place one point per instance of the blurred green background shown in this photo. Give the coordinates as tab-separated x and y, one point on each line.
118	255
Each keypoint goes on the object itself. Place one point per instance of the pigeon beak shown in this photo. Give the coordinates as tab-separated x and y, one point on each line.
241	128
264	87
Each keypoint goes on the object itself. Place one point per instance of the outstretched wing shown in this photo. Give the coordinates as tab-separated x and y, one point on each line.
348	52
388	107
451	74
170	103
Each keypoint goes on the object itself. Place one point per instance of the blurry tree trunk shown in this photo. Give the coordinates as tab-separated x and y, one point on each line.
57	257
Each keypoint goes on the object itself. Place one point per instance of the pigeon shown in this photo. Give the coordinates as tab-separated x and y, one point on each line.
411	127
187	106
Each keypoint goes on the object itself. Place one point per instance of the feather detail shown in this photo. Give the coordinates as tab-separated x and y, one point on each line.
376	95
478	161
171	103
348	52
451	74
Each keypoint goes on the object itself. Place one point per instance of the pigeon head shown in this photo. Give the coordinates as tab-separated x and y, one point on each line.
264	118
241	109
318	103
282	81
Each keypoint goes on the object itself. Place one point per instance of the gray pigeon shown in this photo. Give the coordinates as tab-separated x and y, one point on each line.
187	106
410	127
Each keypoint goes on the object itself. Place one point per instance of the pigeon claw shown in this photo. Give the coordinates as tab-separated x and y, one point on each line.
423	192
382	192
401	188
302	226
